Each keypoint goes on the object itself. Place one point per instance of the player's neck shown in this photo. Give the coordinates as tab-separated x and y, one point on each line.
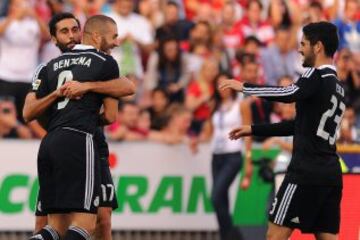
90	42
323	61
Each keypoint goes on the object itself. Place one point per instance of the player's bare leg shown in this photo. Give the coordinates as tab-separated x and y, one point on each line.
40	222
82	226
103	226
277	232
326	236
59	222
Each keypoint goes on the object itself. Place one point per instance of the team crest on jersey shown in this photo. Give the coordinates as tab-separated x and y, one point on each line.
36	84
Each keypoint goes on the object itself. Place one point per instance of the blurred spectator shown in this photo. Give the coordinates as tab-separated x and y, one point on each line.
144	122
168	69
280	58
350	79
127	128
150	9
232	36
20	35
260	109
97	7
135	34
177	127
251	47
56	6
315	14
253	24
281	113
207	12
279	13
3	7
10	127
201	9
227	155
159	104
201	33
173	26
349	27
220	52
199	94
349	134
249	68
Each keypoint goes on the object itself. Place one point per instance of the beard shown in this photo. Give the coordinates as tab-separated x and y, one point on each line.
67	46
309	60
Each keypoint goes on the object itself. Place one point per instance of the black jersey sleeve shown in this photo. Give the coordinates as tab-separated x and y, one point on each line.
284	128
110	69
41	88
307	85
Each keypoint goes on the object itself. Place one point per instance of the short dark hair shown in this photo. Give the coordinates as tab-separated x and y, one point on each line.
253	39
96	23
258	2
172	3
59	17
324	32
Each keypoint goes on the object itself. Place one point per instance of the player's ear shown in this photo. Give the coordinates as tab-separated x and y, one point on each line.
96	37
318	46
53	39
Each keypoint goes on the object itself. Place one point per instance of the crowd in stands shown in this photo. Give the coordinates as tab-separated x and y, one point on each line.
175	51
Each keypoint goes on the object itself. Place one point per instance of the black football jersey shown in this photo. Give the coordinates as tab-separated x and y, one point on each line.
320	107
82	64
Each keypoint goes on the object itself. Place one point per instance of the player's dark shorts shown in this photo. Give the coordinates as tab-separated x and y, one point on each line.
310	208
68	172
107	195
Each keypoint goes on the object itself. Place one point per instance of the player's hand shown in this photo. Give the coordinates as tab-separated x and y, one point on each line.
242	131
74	89
232	84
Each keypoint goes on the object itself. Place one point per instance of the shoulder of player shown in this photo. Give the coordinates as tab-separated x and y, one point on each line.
40	70
310	73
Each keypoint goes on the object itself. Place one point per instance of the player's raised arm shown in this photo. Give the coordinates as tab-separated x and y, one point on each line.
305	87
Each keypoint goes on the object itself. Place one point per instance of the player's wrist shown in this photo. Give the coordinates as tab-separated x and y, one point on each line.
88	87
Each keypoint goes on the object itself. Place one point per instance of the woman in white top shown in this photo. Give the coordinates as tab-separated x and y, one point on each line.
227	155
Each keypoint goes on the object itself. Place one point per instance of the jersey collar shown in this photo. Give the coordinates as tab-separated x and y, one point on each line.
82	47
332	67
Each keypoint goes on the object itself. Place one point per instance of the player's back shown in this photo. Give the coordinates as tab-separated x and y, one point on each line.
317	121
83	64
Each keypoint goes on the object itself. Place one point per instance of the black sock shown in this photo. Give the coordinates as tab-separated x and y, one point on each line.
76	233
47	233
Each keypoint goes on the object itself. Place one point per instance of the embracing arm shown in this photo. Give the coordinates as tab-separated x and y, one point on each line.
34	107
116	88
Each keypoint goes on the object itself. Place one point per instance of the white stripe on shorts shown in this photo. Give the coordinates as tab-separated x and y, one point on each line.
282	203
287	204
89	184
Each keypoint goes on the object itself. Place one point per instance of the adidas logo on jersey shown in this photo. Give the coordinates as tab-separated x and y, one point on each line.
295	220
